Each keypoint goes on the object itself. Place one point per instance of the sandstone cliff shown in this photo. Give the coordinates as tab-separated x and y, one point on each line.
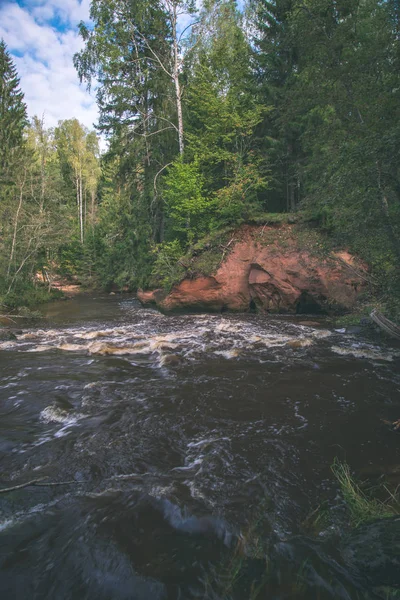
271	270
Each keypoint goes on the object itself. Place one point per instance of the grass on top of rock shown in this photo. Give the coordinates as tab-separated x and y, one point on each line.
362	507
274	218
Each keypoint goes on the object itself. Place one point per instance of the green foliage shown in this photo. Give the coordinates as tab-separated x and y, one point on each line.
27	294
220	135
168	269
351	172
274	218
238	202
38	223
273	121
13	117
122	237
361	507
186	205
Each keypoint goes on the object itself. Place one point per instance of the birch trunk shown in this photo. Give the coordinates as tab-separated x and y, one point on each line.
175	77
14	240
77	194
81	205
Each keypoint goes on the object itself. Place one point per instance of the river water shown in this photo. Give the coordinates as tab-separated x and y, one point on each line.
189	451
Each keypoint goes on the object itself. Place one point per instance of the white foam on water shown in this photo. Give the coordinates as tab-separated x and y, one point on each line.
8	345
300	343
321	334
369	353
189	467
6	524
71	347
299	416
207	442
54	414
234	353
226	326
43	348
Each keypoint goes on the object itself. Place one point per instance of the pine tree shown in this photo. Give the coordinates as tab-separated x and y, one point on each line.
13	116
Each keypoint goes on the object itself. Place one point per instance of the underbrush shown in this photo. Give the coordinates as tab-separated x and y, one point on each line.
26	295
173	262
274	218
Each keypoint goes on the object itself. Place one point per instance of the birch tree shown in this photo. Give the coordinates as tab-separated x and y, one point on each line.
70	138
78	151
129	44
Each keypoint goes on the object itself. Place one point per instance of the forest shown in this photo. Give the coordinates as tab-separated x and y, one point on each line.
214	115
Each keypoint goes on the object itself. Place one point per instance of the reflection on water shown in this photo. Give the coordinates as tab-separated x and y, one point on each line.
189	444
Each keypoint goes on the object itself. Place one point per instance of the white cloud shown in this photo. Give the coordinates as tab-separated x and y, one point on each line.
42	36
70	11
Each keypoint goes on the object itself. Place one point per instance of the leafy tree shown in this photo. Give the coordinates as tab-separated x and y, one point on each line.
132	49
79	158
134	52
186	204
38	221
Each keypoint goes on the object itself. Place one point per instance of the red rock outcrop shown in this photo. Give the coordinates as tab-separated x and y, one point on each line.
277	277
150	296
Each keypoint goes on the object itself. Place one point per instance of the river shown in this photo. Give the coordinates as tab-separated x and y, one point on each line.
189	452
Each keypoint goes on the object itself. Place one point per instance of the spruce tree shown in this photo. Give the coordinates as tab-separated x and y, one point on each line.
275	64
13	116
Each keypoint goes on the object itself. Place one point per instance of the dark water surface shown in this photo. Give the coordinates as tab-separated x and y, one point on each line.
193	449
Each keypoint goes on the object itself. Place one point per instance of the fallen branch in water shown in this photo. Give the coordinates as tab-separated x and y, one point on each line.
8	318
38	483
41	482
22	485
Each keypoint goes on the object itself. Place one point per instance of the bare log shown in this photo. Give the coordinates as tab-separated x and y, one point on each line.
388	326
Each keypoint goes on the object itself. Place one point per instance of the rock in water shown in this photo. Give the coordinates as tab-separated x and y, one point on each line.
374	550
6	335
170	360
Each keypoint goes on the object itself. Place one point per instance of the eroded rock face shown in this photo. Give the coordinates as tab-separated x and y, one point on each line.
150	296
272	277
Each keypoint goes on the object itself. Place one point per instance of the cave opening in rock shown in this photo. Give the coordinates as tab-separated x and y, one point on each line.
309	305
252	306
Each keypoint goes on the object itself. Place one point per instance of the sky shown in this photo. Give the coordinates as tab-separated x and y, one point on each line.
42	37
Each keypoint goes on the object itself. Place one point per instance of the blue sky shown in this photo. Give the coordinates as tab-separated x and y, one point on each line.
42	36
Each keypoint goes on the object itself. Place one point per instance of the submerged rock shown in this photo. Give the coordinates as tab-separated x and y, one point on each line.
170	360
277	275
374	550
354	329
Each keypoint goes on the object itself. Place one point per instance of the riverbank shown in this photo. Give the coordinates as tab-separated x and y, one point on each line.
25	302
